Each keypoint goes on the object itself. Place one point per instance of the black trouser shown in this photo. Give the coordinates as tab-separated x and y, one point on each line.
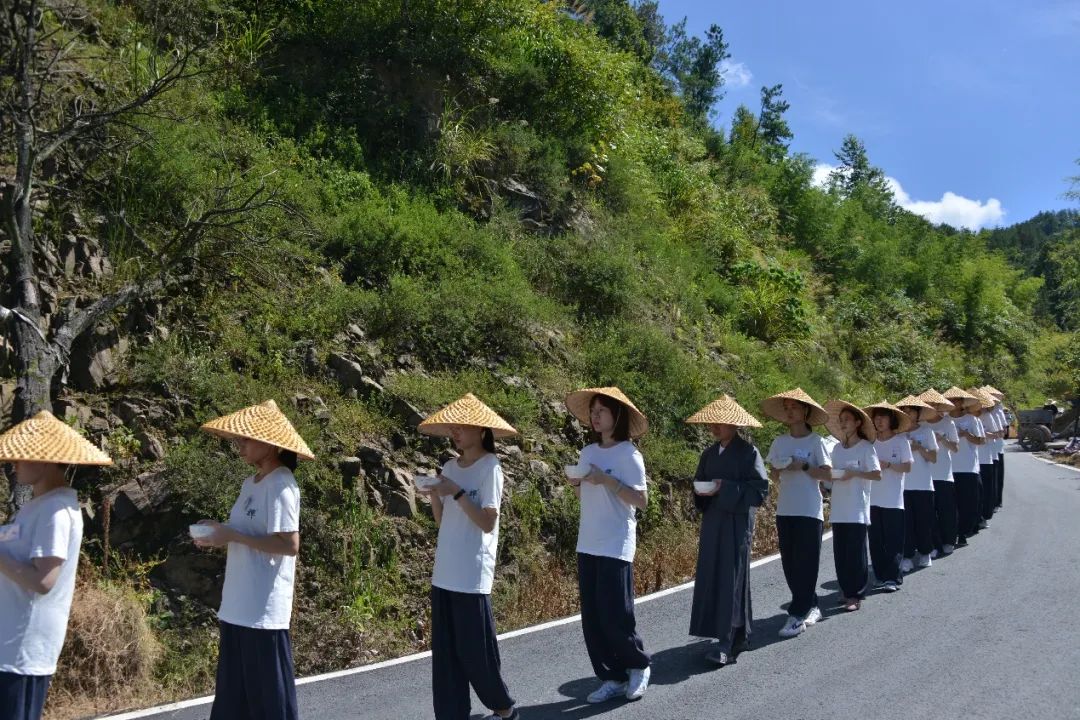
1000	465
22	697
919	521
968	510
800	554
255	678
945	507
849	556
886	536
464	652
606	586
988	493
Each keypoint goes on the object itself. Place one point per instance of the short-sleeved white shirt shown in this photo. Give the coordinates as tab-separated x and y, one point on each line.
889	491
850	499
921	475
33	626
999	415
966	459
800	494
987	452
258	588
465	554
608	526
944	428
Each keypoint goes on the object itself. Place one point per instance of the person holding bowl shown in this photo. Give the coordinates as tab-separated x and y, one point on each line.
729	485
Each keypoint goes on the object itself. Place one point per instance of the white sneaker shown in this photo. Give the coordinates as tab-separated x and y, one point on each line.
949	549
889	586
933	554
794	626
639	683
813	616
983	524
906	565
925	561
608	691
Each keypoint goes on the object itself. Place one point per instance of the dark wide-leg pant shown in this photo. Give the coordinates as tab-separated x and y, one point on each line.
255	676
919	521
886	535
800	555
22	697
849	555
947	518
606	586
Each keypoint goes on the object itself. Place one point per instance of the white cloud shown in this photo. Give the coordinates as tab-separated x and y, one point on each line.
953	209
735	74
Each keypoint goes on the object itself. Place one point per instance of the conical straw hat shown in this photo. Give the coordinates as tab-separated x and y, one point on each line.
906	423
835	407
43	438
263	422
723	411
467	410
912	401
986	400
939	401
966	399
774	406
578	403
994	391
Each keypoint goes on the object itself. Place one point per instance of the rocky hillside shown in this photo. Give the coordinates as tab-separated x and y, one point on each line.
508	197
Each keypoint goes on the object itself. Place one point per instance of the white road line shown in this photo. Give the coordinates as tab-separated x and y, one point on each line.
1055	464
194	702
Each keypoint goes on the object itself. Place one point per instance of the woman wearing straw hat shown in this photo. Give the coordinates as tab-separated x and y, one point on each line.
886	534
729	485
855	468
938	420
987	455
255	675
966	462
798	461
465	503
919	515
998	412
612	489
39	554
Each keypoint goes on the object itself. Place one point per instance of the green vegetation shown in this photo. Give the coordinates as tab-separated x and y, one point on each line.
516	189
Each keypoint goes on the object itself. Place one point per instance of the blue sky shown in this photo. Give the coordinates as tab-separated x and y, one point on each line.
973	108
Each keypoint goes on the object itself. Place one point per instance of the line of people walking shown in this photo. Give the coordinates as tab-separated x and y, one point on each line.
910	481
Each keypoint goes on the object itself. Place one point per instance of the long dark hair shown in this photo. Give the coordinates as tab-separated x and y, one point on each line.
289	459
621	431
488	440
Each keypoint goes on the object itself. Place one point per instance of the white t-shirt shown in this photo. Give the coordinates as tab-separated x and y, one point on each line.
943	428
889	491
33	626
608	525
799	493
921	475
966	459
465	554
987	452
850	500
258	590
999	414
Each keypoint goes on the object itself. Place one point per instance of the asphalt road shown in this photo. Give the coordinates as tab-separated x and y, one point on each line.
991	632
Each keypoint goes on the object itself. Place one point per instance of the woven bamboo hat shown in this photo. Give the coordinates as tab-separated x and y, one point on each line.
915	402
986	400
467	410
906	423
578	403
723	411
263	422
994	391
43	438
774	406
966	399
939	401
835	407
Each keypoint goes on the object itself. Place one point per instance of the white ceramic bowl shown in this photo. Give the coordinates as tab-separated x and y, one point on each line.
782	462
704	486
199	532
576	472
425	482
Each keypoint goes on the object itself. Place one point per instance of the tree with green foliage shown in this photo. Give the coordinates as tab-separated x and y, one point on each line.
773	129
692	64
